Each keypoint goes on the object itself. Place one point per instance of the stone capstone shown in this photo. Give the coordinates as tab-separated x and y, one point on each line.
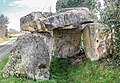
96	40
30	57
66	17
66	42
73	17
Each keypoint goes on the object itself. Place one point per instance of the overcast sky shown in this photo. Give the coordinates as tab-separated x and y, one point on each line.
14	9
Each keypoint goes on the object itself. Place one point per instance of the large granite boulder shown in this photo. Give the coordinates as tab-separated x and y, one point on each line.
96	40
73	17
69	16
30	57
30	22
66	42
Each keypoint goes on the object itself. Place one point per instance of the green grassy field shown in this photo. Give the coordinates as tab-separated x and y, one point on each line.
3	39
63	72
9	37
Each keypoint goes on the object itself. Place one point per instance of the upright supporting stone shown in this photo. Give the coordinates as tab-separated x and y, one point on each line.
96	40
66	42
30	57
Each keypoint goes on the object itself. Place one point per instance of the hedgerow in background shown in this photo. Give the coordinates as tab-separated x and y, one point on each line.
91	4
111	17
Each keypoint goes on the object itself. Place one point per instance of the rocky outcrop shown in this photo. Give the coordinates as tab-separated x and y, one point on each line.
67	17
66	42
30	57
96	40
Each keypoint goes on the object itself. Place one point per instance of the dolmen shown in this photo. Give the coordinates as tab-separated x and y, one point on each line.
59	34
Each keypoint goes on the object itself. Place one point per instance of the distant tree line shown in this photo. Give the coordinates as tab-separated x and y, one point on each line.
3	25
3	19
75	3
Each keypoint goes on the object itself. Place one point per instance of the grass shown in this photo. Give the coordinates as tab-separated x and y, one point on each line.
15	35
9	37
3	39
84	72
63	72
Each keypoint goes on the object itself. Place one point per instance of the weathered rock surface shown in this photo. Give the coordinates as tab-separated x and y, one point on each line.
67	17
96	40
66	42
30	57
30	22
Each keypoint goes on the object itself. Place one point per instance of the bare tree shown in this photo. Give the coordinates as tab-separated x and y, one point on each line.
3	20
3	25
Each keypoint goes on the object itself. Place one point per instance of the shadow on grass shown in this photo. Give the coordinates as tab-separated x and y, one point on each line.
60	69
